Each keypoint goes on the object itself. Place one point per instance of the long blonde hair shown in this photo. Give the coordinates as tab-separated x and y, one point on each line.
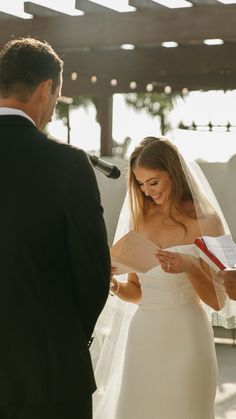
156	153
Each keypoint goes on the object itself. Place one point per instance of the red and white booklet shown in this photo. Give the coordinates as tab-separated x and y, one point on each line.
219	252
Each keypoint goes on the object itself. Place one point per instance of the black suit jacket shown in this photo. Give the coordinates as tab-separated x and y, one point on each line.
54	266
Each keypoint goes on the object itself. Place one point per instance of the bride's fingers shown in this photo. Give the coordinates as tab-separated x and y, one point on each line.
113	270
165	253
166	260
166	267
164	256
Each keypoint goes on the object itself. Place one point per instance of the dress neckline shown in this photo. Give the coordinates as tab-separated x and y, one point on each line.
178	245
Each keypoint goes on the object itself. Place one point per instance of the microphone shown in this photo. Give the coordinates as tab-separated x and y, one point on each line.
103	166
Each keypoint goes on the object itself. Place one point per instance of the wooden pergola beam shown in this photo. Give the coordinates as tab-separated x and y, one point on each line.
144	28
194	67
153	61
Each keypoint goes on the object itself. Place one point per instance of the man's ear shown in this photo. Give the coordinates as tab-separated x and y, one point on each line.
45	89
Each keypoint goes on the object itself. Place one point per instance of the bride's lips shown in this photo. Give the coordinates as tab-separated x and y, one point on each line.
157	196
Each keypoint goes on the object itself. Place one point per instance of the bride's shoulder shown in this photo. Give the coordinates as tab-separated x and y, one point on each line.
211	224
207	222
188	210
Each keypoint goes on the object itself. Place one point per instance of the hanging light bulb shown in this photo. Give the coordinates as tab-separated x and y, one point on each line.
185	91
133	85
74	76
65	99
114	82
168	90
94	79
149	87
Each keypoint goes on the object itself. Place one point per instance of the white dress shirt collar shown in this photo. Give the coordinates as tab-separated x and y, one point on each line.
13	111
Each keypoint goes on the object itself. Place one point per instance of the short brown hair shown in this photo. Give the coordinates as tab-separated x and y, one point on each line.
24	64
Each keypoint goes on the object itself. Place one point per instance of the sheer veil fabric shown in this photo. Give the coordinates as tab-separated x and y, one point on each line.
111	331
208	211
110	335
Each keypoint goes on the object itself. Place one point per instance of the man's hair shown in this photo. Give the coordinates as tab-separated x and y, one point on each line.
24	64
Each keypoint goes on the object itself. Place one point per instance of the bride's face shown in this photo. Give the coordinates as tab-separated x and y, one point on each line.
154	183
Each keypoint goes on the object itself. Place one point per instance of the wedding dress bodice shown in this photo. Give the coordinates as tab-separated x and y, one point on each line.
163	290
166	364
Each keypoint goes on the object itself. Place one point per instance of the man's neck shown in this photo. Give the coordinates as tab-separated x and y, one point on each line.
16	104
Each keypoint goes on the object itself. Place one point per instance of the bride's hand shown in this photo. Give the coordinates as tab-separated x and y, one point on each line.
114	285
172	262
113	270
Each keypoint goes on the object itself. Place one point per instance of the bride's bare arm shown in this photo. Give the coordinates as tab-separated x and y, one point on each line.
128	291
197	271
201	280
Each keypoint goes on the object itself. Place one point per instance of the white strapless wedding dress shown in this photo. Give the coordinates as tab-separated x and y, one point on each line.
170	369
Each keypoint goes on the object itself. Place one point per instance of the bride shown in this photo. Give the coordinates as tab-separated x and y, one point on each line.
164	365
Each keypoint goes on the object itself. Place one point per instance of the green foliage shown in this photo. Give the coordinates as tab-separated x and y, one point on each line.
155	104
65	104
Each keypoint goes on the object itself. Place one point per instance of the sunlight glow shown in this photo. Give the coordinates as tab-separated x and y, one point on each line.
218	107
15	8
227	1
119	6
62	6
174	4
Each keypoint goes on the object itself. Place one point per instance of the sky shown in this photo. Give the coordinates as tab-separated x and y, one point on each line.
200	107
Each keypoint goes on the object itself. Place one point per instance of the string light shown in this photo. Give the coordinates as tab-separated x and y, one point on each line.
74	76
185	91
114	82
65	99
168	90
133	85
149	87
94	79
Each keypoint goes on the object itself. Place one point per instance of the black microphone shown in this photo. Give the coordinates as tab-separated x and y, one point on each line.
103	166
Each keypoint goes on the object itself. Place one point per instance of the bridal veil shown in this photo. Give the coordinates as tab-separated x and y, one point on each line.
110	334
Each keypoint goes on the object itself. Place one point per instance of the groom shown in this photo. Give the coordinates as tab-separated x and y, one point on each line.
54	258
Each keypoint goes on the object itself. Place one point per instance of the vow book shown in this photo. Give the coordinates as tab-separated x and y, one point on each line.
134	253
219	252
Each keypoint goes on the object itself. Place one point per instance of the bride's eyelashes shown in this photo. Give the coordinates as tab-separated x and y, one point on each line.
149	184
148	187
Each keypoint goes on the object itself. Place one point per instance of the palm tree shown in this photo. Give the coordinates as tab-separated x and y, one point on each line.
155	104
66	104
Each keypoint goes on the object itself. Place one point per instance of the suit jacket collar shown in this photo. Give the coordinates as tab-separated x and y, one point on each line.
14	111
15	120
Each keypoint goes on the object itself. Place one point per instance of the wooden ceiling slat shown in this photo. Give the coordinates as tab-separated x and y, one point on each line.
42	11
101	32
193	67
196	59
144	4
139	28
90	7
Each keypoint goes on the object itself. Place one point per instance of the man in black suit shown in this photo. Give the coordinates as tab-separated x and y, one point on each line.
54	258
